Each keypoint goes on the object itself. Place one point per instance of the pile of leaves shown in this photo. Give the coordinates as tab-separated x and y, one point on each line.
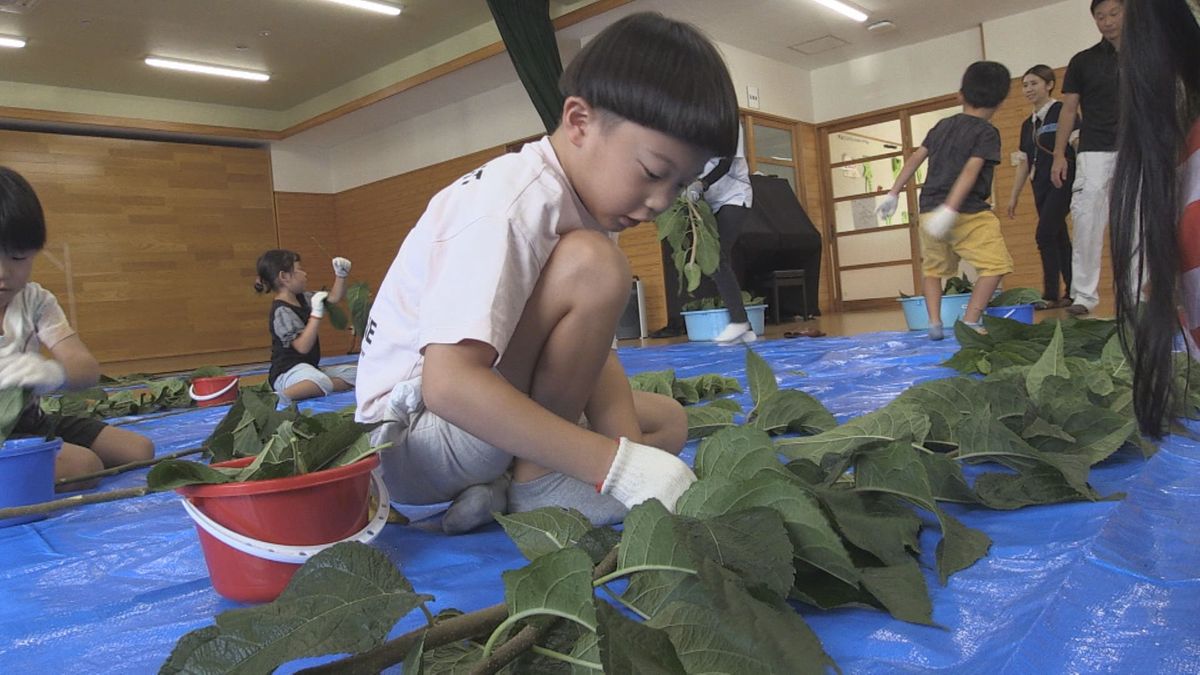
690	228
836	523
144	396
283	443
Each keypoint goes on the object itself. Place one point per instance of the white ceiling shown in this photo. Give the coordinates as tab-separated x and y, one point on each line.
313	46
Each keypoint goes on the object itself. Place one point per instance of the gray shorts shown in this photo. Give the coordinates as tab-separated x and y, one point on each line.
322	377
431	460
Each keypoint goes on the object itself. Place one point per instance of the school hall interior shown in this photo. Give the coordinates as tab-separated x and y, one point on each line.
161	188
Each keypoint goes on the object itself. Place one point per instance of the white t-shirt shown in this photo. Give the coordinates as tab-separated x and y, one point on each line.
732	188
466	270
33	320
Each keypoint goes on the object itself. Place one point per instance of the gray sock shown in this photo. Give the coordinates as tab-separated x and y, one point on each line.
474	506
936	332
556	489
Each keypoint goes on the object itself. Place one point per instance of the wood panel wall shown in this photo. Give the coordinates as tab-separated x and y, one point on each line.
149	242
812	197
1019	232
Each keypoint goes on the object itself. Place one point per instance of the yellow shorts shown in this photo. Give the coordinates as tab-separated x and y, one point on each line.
975	238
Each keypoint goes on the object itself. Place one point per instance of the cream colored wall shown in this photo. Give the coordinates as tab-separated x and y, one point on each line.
1049	35
783	89
480	106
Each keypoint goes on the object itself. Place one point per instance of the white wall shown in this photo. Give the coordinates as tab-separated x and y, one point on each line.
783	89
478	107
895	77
1049	35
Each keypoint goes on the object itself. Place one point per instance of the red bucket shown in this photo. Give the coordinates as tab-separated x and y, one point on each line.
256	534
206	391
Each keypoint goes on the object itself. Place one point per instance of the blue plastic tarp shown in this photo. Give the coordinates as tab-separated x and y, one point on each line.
1104	587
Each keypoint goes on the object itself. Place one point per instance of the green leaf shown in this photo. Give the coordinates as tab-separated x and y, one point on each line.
734	632
655	382
206	371
737	454
346	584
651	540
173	473
760	376
902	591
12	403
712	385
969	338
627	646
896	469
358	299
1016	296
893	422
1052	363
587	648
337	316
1032	486
412	664
456	658
812	536
544	530
708	419
876	523
684	392
983	437
557	583
793	410
691	271
752	543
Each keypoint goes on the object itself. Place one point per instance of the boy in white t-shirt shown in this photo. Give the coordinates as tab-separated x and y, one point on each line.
490	335
31	319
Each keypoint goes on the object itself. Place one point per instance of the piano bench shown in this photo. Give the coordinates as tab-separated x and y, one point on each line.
786	279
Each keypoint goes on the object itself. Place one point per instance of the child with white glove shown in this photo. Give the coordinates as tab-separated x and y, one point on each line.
488	354
956	218
295	323
33	321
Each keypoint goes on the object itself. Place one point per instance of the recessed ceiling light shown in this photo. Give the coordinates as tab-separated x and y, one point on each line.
371	6
11	42
206	69
844	9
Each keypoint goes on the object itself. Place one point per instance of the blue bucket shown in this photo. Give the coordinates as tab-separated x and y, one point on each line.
953	308
27	474
706	324
1022	313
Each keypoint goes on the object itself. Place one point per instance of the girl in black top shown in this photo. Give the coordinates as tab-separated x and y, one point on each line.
294	323
1053	204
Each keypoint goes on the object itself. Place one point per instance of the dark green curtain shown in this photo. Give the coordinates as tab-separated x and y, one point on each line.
529	37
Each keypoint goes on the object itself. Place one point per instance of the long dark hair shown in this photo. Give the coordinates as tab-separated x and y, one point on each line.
1160	50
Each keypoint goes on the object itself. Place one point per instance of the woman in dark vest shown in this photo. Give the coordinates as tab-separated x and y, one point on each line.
1053	203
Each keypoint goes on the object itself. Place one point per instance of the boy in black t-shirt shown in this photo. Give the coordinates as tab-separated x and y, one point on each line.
956	219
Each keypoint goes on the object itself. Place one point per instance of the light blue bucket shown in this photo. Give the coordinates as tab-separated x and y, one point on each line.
26	474
706	324
953	308
1022	313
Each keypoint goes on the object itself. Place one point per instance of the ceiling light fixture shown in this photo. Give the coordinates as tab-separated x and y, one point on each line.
370	6
11	42
206	69
844	9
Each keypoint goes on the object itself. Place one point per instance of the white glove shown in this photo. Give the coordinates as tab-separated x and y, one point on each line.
640	472
887	207
318	303
694	192
940	223
31	371
341	267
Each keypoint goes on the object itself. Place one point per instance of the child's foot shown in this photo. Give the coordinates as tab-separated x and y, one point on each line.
474	506
936	332
977	327
736	333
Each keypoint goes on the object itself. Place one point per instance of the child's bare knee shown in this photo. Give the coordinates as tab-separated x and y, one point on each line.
594	262
75	460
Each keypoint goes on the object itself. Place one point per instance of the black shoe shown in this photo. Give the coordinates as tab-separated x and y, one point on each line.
667	332
1077	310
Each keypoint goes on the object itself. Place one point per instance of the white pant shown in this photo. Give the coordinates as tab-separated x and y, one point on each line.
1089	212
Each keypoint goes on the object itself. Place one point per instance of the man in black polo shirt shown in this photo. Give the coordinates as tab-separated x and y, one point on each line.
1090	84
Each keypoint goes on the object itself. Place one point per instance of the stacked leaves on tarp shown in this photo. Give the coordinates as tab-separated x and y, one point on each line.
283	443
835	522
144	396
